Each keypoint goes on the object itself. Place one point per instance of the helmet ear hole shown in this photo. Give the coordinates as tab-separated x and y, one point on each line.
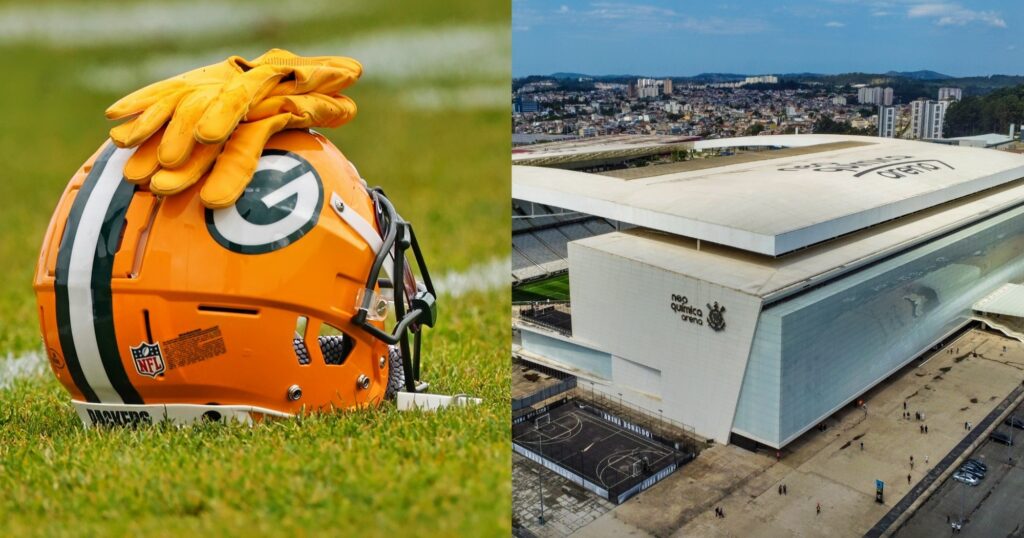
299	340
335	345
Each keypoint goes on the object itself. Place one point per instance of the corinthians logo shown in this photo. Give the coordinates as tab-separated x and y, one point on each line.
280	204
715	319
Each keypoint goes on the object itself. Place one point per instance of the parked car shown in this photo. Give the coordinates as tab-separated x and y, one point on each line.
971	472
1001	438
1014	422
973	469
966	479
975	464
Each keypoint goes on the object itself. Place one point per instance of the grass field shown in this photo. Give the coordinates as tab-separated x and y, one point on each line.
555	288
432	129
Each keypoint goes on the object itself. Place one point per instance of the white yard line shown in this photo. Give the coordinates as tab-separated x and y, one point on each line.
108	23
471	52
476	97
493	275
18	366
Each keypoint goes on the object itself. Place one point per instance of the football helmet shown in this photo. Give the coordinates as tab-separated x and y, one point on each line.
157	308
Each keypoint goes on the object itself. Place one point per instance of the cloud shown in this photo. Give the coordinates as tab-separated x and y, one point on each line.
880	13
834	24
625	17
623	11
948	14
563	9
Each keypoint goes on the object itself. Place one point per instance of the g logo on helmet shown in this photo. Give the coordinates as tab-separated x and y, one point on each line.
281	204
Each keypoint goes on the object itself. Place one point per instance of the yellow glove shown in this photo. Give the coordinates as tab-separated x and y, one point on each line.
236	159
225	91
182	124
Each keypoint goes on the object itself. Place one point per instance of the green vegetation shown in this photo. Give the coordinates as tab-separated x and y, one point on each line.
377	473
992	113
555	288
826	125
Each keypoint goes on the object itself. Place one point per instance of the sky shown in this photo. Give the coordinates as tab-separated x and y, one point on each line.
687	37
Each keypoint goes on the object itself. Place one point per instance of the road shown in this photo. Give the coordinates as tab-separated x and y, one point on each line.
995	507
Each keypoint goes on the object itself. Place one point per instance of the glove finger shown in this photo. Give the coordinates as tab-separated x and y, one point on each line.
141	99
143	163
179	137
312	74
236	164
308	110
134	131
326	79
228	108
174	180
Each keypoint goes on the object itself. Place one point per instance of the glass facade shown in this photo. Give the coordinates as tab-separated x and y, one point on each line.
814	351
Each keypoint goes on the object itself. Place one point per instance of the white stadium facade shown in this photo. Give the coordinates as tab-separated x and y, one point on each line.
750	297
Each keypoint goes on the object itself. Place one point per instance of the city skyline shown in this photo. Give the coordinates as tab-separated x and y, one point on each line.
834	36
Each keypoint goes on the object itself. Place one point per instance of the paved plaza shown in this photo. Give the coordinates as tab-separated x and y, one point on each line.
962	382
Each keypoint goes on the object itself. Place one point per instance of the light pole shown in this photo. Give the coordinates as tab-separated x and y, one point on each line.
1009	447
540	471
661	420
963	494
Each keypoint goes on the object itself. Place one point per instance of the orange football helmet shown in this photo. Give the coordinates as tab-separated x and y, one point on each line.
158	308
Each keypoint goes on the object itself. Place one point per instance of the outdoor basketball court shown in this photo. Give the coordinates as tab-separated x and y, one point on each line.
619	461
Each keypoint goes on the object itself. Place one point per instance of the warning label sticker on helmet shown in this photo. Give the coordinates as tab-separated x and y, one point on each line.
193	346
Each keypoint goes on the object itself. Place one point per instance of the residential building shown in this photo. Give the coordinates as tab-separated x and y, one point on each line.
887	121
926	118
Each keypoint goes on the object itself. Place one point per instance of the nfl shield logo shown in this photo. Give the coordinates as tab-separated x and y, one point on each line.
148	359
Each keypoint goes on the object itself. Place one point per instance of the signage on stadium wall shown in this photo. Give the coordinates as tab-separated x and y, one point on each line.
891	166
715	319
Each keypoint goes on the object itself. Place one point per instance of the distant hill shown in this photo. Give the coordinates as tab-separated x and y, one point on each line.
567	75
908	85
918	75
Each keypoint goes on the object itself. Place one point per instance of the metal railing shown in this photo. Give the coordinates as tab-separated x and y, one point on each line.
684	434
552	315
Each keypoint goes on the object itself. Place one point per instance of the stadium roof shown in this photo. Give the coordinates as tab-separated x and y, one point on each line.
593	151
775	278
1007	301
779	205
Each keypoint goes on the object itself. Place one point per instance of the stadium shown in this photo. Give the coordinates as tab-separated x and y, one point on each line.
752	294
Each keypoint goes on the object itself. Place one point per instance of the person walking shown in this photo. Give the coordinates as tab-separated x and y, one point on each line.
818	509
908	478
925	428
926	459
780	489
785	489
862	446
904	405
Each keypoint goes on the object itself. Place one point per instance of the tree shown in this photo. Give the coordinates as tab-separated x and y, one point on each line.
992	113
